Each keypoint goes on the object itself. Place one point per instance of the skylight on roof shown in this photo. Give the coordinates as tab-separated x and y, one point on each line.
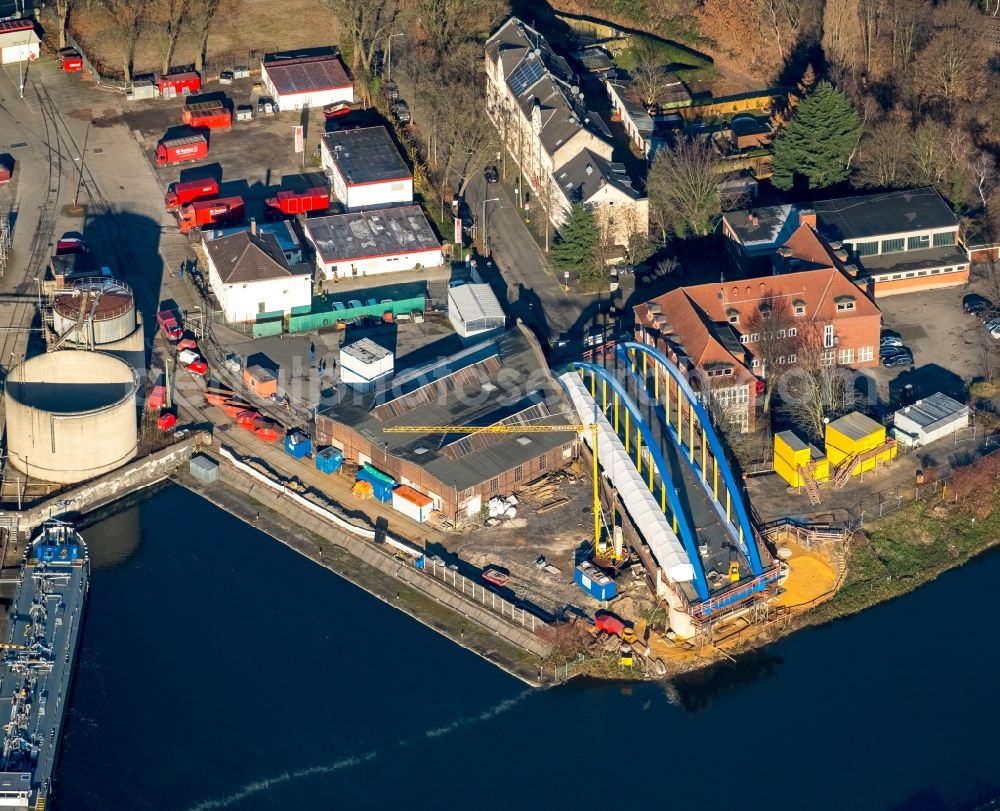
524	440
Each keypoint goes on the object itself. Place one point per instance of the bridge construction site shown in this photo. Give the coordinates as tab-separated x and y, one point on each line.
688	521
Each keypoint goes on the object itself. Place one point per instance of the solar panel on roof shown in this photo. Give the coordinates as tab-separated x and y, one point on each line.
525	75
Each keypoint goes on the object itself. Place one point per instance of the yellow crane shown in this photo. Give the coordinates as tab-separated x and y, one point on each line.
521	429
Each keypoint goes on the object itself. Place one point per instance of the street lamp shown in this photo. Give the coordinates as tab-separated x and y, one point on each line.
38	283
388	58
486	233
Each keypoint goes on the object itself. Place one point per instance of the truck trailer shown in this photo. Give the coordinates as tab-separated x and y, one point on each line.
181	150
180	194
224	211
291	202
207	114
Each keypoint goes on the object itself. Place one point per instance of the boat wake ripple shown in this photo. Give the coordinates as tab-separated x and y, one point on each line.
267	783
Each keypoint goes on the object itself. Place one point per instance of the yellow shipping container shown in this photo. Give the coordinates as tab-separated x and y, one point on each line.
791	454
854	435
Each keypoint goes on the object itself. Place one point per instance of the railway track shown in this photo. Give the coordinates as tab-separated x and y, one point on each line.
24	304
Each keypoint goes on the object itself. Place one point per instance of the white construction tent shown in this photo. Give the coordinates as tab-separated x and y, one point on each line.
642	506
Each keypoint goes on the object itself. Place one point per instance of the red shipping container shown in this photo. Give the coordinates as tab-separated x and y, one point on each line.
180	150
72	62
182	84
210	212
218	120
290	202
188	192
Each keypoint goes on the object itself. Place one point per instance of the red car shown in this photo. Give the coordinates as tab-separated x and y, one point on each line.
70	244
187	343
166	422
199	367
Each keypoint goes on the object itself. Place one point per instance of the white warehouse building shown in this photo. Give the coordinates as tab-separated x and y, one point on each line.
929	419
18	42
475	311
366	243
366	169
307	79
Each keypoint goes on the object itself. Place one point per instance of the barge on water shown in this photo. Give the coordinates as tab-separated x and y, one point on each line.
45	621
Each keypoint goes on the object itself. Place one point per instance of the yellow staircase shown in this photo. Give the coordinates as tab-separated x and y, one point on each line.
40	803
812	488
846	468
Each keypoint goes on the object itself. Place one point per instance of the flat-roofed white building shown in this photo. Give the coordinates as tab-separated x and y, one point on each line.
364	364
366	169
366	243
18	42
306	79
929	419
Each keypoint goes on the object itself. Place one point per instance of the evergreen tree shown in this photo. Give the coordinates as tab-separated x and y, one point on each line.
576	246
819	140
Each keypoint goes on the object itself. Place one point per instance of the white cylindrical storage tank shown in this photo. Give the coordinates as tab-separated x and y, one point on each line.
71	415
97	310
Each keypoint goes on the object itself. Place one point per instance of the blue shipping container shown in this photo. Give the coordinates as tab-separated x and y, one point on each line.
382	483
329	460
297	445
593	581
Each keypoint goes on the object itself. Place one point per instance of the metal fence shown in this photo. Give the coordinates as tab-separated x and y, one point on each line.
489	599
329	318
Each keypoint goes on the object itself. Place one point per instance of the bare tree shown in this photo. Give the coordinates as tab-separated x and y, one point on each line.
685	189
447	23
130	17
208	10
368	23
777	346
649	76
176	14
883	161
928	147
63	9
983	175
816	389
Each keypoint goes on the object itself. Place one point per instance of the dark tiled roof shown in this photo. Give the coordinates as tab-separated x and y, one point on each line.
886	213
246	257
579	185
383	232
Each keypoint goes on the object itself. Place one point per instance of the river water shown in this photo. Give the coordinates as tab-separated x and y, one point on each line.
219	669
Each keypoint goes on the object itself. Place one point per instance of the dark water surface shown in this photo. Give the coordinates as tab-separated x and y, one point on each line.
220	669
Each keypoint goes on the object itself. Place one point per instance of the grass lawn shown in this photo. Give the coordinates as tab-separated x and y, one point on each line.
907	549
671	54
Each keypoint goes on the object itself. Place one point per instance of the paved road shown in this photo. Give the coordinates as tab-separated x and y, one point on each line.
531	290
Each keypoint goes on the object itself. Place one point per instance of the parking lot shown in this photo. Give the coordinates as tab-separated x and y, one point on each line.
253	159
950	348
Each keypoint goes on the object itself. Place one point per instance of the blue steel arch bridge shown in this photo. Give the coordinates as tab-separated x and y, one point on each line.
694	519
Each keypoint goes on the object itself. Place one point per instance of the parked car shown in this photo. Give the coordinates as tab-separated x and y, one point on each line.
891	349
354	304
491	175
995	332
226	77
973	303
401	110
992	324
890	340
371	302
391	91
902	357
338	306
456	283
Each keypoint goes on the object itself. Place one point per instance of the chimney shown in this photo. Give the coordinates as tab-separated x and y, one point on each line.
807	216
253	226
536	114
784	251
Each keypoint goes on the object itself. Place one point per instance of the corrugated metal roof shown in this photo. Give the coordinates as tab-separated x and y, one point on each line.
934	411
791	440
474	302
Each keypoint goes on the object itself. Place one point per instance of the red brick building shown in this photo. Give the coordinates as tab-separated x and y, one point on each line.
711	331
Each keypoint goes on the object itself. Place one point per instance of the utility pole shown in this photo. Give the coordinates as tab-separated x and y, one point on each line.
79	182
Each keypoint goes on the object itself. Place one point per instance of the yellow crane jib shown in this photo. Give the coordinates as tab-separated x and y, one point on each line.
520	429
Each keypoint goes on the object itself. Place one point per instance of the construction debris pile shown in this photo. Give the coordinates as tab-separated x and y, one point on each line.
501	509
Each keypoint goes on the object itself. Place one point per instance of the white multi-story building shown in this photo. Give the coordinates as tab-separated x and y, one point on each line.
534	98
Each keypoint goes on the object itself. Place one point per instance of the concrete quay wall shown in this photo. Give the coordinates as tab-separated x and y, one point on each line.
112	486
